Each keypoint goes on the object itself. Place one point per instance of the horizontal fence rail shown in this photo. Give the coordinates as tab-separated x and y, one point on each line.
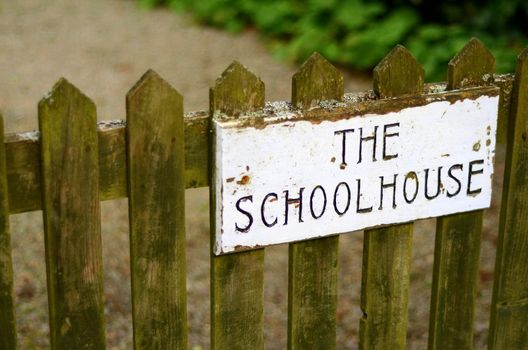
22	150
73	163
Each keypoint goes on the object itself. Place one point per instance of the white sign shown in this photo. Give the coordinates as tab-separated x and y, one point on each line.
287	179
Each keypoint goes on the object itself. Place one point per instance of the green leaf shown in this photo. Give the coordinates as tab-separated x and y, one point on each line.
366	48
353	15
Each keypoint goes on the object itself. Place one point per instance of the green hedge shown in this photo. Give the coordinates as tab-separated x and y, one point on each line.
358	33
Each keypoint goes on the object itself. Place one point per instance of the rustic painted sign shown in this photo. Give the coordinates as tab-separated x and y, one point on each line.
288	176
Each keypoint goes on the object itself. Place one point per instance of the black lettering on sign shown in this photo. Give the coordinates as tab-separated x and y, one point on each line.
358	200
343	145
367	138
438	183
246	213
341	212
385	186
315	216
269	195
288	201
472	172
451	176
387	156
410	176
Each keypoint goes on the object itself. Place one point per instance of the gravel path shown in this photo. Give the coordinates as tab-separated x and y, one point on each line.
103	47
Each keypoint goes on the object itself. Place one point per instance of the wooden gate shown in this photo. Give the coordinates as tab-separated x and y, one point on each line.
73	163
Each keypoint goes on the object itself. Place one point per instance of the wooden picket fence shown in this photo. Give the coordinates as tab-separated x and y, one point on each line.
73	163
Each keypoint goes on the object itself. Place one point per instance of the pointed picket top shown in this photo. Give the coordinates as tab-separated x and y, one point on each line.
316	80
469	65
151	84
522	63
65	103
237	90
523	56
153	102
65	92
398	73
522	69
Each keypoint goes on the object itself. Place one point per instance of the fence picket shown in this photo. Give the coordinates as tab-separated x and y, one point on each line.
157	214
71	211
7	308
509	307
387	251
458	236
237	280
313	264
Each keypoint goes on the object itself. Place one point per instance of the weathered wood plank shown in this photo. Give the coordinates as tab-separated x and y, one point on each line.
387	251
7	307
157	214
71	211
23	167
456	262
312	293
313	265
237	280
509	310
458	236
384	287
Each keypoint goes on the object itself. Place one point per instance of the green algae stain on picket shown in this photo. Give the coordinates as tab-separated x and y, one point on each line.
156	191
509	307
458	236
237	280
313	265
71	210
387	251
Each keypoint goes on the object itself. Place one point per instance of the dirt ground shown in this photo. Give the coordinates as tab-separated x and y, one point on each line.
103	47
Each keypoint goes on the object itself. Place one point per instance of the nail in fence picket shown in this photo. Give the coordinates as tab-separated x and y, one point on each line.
72	164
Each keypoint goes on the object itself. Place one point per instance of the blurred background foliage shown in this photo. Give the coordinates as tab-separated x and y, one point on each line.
357	34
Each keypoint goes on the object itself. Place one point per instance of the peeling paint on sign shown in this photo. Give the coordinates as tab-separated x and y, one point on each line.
291	180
